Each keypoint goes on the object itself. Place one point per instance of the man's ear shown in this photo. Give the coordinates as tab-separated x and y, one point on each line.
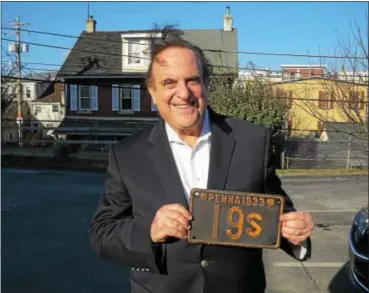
152	94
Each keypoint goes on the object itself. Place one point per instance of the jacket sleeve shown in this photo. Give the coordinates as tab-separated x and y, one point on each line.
118	236
273	185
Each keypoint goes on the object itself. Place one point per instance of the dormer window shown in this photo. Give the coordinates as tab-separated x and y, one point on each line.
134	51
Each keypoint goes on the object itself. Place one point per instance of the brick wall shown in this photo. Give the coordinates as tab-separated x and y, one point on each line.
105	98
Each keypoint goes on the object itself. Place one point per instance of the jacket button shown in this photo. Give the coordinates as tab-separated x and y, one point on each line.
204	263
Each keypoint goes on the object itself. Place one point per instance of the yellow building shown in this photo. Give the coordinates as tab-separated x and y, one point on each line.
315	100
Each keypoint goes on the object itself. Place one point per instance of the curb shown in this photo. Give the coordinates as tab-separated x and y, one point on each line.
337	176
98	166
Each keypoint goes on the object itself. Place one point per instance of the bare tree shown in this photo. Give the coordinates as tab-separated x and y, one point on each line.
8	89
344	90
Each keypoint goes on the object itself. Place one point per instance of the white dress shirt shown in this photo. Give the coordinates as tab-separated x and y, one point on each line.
193	163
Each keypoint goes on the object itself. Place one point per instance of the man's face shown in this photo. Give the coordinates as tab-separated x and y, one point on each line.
178	90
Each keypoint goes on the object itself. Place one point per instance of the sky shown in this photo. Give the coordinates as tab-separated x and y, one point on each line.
281	27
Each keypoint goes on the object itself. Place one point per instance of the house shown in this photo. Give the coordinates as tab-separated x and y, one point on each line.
48	110
262	74
105	72
301	71
315	100
42	107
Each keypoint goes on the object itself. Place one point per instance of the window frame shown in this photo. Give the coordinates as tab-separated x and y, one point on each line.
139	43
80	98
121	97
28	90
356	100
285	97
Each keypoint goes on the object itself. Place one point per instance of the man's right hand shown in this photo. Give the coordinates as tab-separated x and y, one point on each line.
171	220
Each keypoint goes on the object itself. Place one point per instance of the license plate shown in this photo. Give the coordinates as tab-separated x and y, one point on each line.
235	218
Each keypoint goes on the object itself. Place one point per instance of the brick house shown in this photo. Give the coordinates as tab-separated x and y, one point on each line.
104	77
301	71
42	107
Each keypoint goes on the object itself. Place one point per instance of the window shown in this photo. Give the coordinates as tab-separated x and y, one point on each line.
84	98
324	100
55	108
126	97
356	100
38	109
28	92
134	52
285	97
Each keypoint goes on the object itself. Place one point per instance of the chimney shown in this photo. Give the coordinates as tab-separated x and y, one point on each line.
90	24
228	21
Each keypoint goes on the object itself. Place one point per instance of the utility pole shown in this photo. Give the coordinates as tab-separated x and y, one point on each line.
18	49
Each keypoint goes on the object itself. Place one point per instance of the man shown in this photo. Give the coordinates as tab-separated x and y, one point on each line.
143	217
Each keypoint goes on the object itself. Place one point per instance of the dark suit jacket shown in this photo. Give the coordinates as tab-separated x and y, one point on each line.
142	176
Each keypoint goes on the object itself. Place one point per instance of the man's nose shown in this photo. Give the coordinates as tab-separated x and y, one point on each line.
183	91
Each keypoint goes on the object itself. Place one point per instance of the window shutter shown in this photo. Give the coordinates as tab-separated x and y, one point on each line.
320	100
65	96
289	99
136	98
115	97
332	100
361	100
94	98
73	97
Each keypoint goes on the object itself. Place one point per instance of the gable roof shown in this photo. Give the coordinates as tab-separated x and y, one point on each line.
47	76
100	53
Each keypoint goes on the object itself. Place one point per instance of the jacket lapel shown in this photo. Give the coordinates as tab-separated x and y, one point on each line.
160	153
222	146
165	167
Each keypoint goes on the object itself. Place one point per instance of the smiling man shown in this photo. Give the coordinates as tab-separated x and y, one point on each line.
143	217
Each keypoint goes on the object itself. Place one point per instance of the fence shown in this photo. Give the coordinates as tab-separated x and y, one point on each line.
331	154
92	141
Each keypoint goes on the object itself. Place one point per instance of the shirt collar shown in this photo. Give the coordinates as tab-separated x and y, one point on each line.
205	132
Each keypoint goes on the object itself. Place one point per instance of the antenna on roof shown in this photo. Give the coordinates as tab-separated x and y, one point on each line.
88	9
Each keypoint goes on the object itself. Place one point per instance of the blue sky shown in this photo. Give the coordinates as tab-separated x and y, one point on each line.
283	27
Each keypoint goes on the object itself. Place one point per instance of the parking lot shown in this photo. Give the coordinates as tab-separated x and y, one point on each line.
45	246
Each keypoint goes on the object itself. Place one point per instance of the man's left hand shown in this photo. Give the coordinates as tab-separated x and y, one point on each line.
297	226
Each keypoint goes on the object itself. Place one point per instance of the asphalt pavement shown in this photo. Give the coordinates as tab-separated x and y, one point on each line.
45	245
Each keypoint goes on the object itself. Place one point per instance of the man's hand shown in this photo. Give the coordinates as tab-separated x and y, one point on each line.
297	226
171	220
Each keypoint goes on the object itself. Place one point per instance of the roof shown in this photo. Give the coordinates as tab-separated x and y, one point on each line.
51	75
100	53
317	78
52	94
302	66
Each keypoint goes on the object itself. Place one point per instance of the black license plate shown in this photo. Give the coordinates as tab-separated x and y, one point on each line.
235	218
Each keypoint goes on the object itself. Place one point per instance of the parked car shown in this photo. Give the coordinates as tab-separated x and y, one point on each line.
359	250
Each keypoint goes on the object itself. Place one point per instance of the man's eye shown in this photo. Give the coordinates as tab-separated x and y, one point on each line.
194	82
169	84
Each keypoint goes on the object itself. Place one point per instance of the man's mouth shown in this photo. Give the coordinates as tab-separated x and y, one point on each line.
185	106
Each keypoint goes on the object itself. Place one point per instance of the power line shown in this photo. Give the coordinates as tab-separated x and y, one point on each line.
207	50
144	87
311	74
109	54
78	50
